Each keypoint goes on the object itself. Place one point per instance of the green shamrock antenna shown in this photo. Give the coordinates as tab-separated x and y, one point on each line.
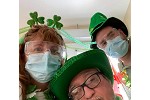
55	22
35	19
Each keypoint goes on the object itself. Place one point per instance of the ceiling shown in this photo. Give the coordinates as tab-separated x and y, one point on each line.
75	14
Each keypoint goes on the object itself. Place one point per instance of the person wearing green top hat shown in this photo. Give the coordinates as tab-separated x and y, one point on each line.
87	76
111	35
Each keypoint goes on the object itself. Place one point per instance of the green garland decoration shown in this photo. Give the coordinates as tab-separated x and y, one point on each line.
25	29
21	40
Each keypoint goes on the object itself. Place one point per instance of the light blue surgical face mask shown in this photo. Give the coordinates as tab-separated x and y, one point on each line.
116	47
42	66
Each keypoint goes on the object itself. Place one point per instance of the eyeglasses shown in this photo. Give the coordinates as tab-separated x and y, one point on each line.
112	34
33	47
91	82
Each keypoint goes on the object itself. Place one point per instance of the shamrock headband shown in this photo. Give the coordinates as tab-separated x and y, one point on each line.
35	20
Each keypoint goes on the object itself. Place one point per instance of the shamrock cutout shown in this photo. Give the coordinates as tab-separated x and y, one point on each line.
55	22
35	19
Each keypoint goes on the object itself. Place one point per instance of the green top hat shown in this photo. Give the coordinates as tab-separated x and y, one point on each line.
99	21
90	59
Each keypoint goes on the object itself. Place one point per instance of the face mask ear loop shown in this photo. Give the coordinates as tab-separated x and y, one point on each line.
128	38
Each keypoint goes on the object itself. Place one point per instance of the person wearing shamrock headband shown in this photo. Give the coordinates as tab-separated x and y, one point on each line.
40	55
87	76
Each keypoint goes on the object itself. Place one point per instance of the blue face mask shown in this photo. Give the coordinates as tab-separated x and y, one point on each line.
117	47
42	66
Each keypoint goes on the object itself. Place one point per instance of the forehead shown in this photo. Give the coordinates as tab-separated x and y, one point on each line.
103	33
80	77
37	38
87	71
40	38
44	34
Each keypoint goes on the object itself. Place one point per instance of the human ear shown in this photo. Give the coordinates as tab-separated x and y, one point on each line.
122	34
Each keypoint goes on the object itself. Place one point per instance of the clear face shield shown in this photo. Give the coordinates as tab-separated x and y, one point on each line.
34	47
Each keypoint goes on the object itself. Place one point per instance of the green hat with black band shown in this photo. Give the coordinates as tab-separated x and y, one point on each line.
90	59
99	21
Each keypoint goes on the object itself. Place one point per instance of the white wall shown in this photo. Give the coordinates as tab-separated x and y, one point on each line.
74	49
127	18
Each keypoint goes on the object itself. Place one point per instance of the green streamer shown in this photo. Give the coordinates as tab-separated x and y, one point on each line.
90	42
21	40
25	29
64	33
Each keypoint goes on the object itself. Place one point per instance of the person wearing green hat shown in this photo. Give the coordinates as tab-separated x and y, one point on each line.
84	76
111	35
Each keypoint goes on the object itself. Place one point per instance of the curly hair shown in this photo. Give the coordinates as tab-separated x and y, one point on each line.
46	34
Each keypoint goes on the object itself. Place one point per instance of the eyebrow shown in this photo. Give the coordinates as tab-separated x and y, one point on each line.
109	33
39	44
102	42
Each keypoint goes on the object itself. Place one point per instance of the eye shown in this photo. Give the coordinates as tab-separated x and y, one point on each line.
111	35
90	80
76	91
55	50
103	44
38	50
